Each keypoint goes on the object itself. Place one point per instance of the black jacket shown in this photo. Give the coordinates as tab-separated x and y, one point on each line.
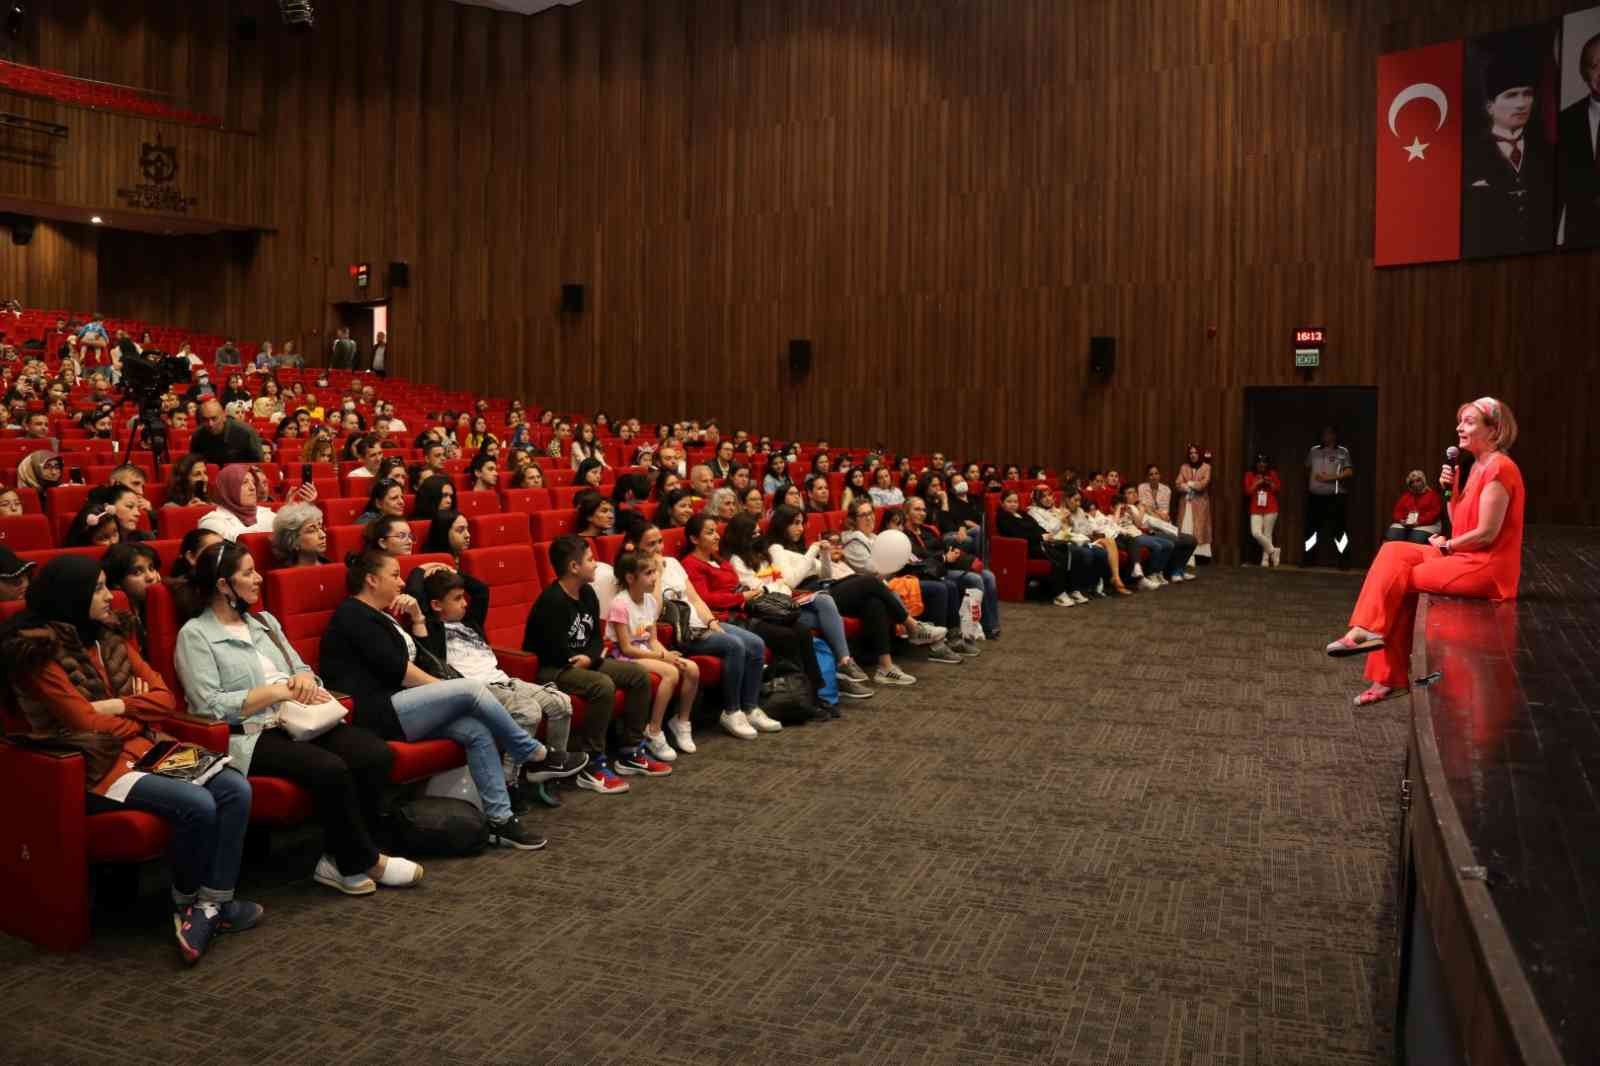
1022	527
237	443
477	610
1580	180
363	654
1506	211
560	627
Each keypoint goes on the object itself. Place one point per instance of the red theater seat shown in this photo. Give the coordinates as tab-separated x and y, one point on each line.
29	532
548	525
477	503
173	522
514	586
303	600
499	530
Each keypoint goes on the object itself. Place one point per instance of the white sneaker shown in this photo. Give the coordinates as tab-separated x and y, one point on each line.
1148	584
761	721
682	736
736	723
354	885
1277	556
1078	597
1065	600
1175	578
1138	571
1160	579
658	746
893	675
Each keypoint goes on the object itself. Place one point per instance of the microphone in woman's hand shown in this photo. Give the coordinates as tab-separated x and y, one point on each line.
1452	458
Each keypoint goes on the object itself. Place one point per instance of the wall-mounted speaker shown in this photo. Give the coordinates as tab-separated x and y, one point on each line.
21	229
572	299
245	27
799	358
1103	356
399	274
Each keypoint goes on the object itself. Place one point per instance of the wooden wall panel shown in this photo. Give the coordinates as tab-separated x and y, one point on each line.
948	197
57	269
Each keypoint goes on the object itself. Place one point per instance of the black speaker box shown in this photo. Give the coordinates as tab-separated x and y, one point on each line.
399	275
799	358
21	229
1103	355
572	299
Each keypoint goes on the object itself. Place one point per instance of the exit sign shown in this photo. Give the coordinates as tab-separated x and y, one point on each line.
1309	342
361	273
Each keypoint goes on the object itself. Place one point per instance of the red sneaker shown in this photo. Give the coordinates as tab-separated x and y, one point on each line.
640	761
597	777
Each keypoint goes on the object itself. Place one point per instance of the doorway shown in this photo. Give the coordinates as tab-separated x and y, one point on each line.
1284	424
365	319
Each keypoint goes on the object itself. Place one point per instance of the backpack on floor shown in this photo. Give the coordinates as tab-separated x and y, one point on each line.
785	693
437	825
829	692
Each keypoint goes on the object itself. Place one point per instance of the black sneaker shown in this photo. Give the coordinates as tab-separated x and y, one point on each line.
554	765
521	799
513	834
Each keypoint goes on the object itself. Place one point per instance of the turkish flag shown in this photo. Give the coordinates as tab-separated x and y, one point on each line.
1418	216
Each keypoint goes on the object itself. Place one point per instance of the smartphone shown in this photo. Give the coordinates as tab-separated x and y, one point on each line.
77	474
305	471
156	755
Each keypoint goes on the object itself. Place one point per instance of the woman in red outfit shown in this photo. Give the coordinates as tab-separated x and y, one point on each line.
1261	488
1416	512
1483	560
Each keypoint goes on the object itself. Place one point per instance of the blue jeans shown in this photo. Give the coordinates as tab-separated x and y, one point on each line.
743	658
207	823
1160	552
822	614
936	609
466	712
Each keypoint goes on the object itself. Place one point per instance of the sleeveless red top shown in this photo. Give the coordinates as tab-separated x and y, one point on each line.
1502	560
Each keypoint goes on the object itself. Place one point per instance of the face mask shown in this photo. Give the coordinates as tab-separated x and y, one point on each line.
959	488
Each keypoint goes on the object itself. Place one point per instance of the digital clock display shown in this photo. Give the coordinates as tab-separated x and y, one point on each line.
1309	337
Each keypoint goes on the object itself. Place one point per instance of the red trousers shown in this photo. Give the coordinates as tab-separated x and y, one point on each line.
1388	602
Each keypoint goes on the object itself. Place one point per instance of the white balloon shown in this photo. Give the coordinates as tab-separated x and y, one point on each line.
891	551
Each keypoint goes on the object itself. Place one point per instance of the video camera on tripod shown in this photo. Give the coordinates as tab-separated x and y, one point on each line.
145	378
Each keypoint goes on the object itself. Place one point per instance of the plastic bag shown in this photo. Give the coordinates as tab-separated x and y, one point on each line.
971	615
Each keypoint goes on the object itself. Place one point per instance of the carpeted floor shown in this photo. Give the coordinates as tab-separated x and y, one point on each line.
1144	832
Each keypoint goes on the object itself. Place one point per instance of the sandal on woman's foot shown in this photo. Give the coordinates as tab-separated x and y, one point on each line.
1362	643
1377	694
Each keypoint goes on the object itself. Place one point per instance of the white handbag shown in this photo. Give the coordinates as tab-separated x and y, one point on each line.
307	721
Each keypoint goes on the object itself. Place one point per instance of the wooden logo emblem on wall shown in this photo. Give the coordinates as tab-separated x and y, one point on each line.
158	164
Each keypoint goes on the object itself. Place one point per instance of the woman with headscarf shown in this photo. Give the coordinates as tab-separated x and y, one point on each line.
237	492
1194	499
76	677
41	472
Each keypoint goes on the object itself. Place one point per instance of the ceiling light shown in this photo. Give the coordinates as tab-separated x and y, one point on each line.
96	219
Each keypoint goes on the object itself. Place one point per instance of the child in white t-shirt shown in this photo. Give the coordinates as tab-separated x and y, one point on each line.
631	621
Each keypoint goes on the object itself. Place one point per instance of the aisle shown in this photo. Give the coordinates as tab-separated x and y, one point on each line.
1143	832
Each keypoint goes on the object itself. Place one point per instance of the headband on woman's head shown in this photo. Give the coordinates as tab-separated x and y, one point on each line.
1489	407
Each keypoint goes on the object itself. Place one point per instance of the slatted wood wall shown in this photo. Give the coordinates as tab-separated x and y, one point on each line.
948	197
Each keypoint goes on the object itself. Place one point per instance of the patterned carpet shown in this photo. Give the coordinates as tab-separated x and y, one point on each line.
1143	832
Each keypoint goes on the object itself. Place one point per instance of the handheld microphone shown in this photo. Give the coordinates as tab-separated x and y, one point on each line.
1452	456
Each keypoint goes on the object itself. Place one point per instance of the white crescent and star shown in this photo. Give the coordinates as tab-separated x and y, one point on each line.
1421	90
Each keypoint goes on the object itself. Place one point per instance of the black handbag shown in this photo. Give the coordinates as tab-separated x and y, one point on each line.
440	825
678	614
786	694
778	608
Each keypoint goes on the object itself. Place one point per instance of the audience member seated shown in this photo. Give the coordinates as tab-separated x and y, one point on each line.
299	536
223	440
719	586
956	568
884	492
1164	561
132	568
821	568
565	631
723	504
632	618
367	653
10	503
776	478
1099	531
435	495
14	574
1261	488
190	548
1042	528
237	511
722	463
817	496
485	473
590	474
1417	512
386	498
237	666
595	514
964	533
1155	501
586	448
456	638
76	677
675	509
42	472
531	476
448	534
753	503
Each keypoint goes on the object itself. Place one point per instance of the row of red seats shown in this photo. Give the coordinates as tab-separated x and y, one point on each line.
56	85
